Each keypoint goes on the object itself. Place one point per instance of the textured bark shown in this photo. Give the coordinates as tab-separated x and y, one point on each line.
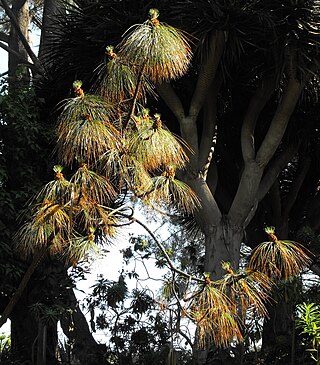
243	204
222	244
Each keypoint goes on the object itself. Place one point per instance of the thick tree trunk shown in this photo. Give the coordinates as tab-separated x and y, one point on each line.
222	244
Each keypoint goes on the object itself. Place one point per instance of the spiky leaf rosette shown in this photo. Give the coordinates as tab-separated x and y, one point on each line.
88	215
162	51
155	146
84	129
56	190
80	247
90	188
139	180
49	225
117	81
248	289
279	259
174	193
215	317
125	171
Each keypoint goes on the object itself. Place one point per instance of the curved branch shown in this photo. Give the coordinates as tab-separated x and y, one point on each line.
163	250
207	72
280	121
166	256
171	99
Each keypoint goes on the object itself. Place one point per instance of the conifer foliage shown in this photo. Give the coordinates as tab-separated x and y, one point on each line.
112	146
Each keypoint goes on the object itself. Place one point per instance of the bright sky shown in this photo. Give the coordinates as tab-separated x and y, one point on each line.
3	60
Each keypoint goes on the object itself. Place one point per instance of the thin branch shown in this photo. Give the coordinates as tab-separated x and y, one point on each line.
163	251
186	338
23	39
17	54
134	99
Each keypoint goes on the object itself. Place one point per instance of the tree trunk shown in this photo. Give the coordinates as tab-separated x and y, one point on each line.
20	10
222	244
76	328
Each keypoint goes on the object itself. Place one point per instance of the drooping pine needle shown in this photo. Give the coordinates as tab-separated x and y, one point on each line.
163	51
